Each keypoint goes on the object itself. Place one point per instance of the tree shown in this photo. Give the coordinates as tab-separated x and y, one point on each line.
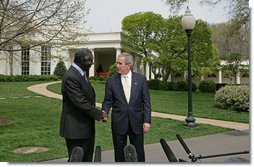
36	22
238	10
233	65
171	48
163	42
139	29
230	43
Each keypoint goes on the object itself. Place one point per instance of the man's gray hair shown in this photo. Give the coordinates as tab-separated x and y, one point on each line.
128	57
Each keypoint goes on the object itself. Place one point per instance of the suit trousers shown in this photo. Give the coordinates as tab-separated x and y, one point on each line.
120	141
86	144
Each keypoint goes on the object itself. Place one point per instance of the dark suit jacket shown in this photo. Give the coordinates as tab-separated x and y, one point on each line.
78	112
136	112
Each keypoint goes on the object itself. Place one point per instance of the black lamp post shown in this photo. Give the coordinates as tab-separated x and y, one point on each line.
188	23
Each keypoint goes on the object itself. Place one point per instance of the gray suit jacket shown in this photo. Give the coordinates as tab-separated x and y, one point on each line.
123	114
78	112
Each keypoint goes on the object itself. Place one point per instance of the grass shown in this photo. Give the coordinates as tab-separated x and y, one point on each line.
37	124
176	102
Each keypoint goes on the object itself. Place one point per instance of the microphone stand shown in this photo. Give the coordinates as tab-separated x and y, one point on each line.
195	158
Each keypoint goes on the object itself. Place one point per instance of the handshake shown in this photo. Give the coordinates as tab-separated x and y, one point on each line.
104	116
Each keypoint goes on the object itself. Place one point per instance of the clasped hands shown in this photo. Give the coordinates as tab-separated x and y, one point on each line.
104	116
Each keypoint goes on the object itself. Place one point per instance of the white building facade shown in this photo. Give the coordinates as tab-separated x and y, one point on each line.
42	60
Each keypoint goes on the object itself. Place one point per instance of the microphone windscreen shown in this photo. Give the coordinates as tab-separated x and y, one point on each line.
76	154
169	153
97	154
130	153
186	148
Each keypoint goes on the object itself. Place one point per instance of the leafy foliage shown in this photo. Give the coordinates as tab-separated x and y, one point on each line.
233	97
112	69
207	86
27	78
238	10
162	43
60	69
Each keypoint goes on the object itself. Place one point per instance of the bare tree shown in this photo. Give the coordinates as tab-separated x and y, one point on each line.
38	22
226	42
238	10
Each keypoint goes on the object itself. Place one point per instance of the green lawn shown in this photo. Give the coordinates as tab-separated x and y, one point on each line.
36	123
176	102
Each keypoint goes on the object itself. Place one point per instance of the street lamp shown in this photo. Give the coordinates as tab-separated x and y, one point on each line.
188	23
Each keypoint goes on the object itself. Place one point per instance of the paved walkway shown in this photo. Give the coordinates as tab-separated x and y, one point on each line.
228	142
41	89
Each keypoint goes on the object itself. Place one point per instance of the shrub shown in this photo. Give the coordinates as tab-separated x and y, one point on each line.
183	86
60	69
101	78
207	86
27	78
112	70
163	85
170	85
154	84
233	97
92	78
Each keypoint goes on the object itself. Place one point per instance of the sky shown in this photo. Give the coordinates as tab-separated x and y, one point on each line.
106	15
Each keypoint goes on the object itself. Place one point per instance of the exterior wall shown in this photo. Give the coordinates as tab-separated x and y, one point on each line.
105	48
4	63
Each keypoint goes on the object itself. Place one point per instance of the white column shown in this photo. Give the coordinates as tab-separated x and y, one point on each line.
147	71
118	51
91	70
169	78
202	78
220	76
238	79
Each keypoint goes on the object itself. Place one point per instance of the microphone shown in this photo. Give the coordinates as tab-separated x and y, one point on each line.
76	154
97	154
186	148
169	153
130	154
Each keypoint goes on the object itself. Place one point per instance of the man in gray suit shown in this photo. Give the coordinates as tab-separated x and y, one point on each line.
77	124
128	94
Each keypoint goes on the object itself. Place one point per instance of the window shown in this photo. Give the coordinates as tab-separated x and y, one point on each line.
178	75
245	75
45	60
25	57
211	76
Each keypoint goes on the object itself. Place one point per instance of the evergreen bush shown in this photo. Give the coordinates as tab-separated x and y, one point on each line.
60	69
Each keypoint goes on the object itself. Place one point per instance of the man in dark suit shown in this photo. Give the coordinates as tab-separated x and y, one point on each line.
128	94
77	124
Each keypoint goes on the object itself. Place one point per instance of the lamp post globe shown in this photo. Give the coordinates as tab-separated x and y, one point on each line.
188	23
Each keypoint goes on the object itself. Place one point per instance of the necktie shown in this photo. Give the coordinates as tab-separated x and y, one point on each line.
126	88
85	78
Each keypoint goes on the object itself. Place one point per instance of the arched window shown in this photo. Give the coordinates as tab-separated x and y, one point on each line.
245	75
178	75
